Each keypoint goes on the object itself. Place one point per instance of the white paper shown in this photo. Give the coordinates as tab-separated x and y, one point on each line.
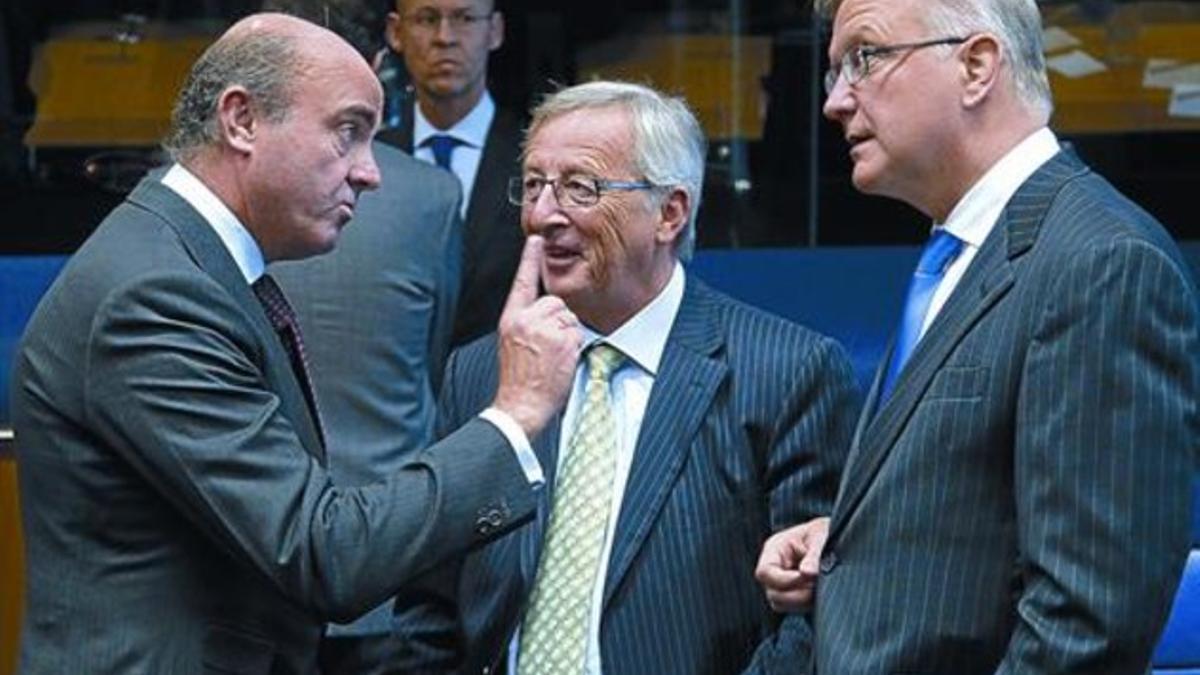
1055	38
1185	101
1076	63
1170	73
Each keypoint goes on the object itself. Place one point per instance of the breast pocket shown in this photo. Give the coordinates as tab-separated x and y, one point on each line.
965	384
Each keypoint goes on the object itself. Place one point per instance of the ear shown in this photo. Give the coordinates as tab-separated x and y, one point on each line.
982	60
496	31
237	120
393	34
673	216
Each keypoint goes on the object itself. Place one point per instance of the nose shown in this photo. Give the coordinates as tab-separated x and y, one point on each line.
444	33
364	172
544	213
840	102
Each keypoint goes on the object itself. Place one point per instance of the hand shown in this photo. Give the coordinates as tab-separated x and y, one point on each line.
539	345
790	564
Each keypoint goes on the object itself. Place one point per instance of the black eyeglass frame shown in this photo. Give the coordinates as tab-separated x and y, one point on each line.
864	53
519	196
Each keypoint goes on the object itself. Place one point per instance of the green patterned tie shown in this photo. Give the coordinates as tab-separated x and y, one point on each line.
554	639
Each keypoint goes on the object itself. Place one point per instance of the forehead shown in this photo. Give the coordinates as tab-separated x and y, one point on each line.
875	22
340	84
591	139
445	5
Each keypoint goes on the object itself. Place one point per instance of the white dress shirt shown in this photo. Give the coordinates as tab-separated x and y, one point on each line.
975	215
641	340
249	258
471	131
237	239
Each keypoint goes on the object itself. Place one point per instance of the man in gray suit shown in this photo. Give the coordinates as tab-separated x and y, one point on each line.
178	513
696	427
1016	498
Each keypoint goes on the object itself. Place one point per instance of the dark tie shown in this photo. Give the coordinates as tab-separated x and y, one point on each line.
283	320
442	146
941	249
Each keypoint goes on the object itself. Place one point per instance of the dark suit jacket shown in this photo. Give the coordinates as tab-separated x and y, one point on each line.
376	313
744	433
1020	504
177	514
492	238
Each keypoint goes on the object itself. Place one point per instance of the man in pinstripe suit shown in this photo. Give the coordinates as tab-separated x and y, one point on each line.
1016	495
729	423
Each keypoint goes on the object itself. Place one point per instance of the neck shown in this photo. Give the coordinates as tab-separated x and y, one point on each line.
445	113
987	143
606	318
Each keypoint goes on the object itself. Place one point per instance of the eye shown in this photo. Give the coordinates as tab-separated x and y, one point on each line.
532	185
348	134
579	190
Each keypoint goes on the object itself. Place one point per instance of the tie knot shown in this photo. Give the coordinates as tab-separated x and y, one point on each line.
939	251
442	145
602	360
270	295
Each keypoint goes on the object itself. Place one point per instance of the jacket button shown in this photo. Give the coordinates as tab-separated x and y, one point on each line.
828	561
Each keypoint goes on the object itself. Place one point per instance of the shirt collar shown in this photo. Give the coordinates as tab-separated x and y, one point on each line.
470	130
643	337
234	235
976	213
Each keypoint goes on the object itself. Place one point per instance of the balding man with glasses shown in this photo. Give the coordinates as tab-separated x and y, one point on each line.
696	427
1016	499
454	123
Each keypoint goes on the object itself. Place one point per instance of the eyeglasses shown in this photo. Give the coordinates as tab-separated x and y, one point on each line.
430	20
855	64
569	191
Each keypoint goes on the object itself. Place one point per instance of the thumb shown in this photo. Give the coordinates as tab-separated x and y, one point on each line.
525	283
811	564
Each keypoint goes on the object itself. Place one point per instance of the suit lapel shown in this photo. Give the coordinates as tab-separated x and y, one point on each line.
206	248
498	163
687	380
990	276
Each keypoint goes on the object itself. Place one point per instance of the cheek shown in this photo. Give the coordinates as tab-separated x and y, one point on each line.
606	245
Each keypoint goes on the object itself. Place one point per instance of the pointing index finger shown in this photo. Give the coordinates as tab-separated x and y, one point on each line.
525	283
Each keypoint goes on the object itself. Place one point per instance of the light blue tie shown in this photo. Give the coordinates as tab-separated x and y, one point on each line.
941	249
442	145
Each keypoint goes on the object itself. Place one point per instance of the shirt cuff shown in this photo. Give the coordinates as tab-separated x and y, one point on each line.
520	444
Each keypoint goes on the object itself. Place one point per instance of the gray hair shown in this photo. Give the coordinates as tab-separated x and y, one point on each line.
668	143
1017	24
262	62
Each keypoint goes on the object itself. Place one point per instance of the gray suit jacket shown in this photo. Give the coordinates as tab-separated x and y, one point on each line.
744	433
493	239
376	314
177	514
1020	504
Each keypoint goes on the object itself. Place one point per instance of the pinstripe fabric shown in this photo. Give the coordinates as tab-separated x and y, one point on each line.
744	433
1020	504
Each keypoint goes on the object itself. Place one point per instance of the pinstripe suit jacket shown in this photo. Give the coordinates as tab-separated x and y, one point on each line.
744	432
177	515
1020	503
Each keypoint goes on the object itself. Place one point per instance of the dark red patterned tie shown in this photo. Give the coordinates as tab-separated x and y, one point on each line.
283	320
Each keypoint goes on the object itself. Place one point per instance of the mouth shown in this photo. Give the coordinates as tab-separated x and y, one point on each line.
558	255
856	141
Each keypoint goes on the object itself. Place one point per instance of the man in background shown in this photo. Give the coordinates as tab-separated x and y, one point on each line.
1017	495
178	513
456	125
696	427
